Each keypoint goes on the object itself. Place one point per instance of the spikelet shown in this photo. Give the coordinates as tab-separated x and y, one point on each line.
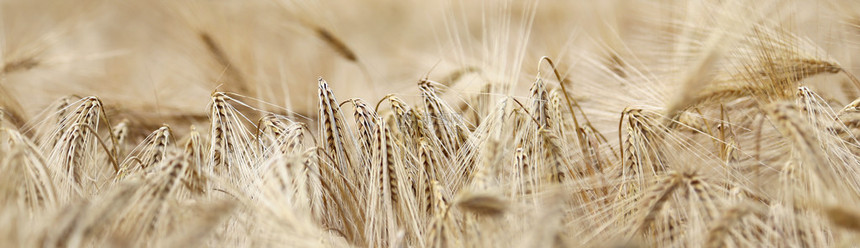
76	147
523	178
429	165
231	144
405	118
541	104
558	167
641	154
194	178
153	152
393	193
384	192
442	123
280	135
365	126
331	127
440	233
120	131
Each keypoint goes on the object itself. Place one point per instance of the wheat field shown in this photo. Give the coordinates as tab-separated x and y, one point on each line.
453	123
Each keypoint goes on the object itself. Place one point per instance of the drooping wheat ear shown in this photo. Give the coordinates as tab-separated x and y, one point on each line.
155	151
293	139
269	129
76	141
540	104
74	153
571	102
404	120
642	146
777	63
419	129
152	152
434	114
222	132
443	122
280	135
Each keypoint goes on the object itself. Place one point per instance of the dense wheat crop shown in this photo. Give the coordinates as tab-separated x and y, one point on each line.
487	123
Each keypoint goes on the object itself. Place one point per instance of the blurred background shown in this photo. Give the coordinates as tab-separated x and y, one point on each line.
158	61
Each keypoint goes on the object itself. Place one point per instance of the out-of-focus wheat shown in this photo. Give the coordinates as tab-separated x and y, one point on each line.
738	124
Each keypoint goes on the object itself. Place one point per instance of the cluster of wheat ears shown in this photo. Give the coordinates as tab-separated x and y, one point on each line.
733	146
